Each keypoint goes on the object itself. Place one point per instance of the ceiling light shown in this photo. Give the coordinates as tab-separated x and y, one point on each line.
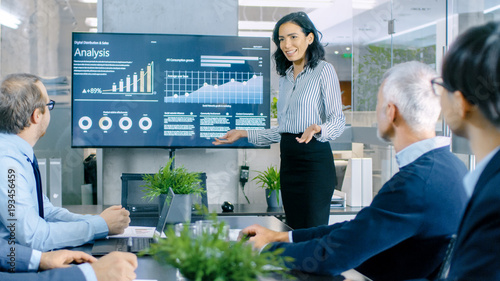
267	34
9	20
91	22
256	25
336	52
287	3
492	9
88	1
347	48
364	4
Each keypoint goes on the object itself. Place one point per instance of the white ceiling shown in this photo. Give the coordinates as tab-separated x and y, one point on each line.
342	22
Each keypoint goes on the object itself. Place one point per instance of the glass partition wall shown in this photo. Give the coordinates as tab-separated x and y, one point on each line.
363	39
396	31
391	33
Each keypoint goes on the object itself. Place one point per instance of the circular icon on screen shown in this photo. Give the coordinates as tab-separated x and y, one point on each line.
145	123
105	123
85	123
125	123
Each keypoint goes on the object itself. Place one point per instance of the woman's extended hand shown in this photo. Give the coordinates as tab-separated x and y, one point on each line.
309	133
230	137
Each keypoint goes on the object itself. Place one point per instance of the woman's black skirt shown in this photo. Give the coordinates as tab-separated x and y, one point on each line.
307	181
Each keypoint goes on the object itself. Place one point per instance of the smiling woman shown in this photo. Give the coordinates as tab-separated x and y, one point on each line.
309	116
294	43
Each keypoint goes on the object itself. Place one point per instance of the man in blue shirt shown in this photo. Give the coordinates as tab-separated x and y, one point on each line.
405	231
27	216
22	263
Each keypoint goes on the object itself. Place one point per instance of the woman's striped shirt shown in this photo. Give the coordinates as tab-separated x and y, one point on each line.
312	98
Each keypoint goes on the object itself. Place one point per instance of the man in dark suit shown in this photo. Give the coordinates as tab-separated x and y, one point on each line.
404	233
470	98
22	263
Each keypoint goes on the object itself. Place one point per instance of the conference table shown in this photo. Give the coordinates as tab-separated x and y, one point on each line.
150	269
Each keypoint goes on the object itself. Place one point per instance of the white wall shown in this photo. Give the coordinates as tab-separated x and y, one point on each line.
214	17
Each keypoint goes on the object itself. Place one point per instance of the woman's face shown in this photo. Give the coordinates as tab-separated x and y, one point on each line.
293	42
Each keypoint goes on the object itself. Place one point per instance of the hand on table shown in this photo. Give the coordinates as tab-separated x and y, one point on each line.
63	258
116	266
259	236
117	219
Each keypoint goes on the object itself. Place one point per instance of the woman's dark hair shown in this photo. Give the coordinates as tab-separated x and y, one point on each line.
315	52
472	66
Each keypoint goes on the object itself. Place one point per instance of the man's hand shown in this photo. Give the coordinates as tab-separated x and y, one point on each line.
117	219
115	266
63	258
309	133
259	236
230	137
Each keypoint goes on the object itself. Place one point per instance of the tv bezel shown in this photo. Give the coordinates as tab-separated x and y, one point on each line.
231	146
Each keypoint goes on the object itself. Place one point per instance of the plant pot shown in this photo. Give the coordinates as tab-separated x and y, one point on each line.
180	211
271	199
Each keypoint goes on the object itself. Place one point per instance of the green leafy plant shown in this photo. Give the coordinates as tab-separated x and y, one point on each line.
274	107
180	179
269	179
208	257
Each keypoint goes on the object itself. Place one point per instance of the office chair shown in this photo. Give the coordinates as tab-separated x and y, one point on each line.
133	196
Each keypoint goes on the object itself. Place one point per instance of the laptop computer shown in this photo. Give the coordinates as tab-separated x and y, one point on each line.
135	244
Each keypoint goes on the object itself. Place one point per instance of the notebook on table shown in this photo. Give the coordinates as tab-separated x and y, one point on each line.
133	239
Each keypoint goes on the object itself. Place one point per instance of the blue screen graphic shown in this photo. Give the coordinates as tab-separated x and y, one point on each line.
160	90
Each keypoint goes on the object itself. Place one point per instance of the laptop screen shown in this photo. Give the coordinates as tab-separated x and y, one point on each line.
162	220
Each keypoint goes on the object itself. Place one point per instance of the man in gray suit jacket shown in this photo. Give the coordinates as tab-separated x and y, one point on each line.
22	263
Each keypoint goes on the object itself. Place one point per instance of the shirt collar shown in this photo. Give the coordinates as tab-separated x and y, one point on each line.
23	146
289	72
415	150
471	178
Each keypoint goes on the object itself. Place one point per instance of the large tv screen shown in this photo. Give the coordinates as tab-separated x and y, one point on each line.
169	91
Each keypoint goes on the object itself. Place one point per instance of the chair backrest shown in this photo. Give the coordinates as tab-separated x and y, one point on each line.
133	196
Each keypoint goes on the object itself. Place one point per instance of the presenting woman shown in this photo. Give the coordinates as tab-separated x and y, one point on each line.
309	115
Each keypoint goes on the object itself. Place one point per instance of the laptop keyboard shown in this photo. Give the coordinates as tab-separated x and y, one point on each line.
138	244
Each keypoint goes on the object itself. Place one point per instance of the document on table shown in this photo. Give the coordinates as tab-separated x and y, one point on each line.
233	234
136	231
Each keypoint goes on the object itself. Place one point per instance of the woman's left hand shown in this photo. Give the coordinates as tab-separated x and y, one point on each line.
309	134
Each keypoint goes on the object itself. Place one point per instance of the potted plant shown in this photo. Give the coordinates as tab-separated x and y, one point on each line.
270	181
208	256
182	182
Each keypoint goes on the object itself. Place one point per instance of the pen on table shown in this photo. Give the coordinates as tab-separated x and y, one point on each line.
129	244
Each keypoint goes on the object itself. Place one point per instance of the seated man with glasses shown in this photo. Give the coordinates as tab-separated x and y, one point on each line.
27	217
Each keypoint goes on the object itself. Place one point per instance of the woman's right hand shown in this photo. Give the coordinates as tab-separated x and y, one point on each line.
230	137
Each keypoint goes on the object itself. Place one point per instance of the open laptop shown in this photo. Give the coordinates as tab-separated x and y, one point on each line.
135	244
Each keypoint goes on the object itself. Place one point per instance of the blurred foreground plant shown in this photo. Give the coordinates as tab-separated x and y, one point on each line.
210	257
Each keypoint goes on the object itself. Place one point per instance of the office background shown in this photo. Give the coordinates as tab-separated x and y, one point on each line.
363	37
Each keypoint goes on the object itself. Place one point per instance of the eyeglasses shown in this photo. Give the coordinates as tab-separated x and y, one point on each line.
437	86
51	104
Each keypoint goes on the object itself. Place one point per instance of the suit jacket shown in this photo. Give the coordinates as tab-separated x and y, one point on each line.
20	258
402	235
477	250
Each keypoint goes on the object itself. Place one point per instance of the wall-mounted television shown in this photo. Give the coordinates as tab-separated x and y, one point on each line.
168	91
